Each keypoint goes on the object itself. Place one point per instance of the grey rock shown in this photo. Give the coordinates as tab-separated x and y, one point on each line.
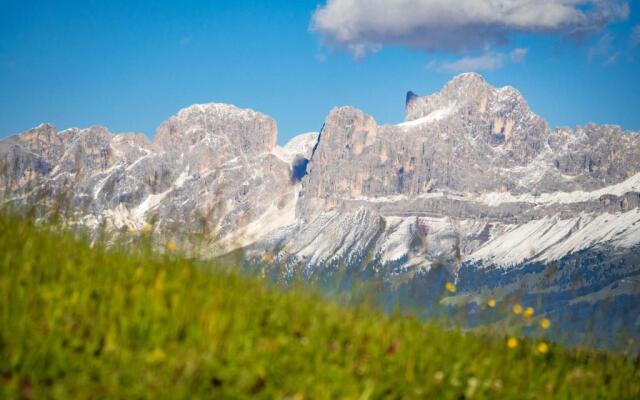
472	180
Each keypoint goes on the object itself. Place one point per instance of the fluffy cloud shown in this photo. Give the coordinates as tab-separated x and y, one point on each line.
487	62
364	26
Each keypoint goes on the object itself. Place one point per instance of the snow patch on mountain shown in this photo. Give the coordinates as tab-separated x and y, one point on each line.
433	116
276	217
552	238
299	146
495	199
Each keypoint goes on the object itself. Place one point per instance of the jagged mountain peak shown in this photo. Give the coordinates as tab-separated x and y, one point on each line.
473	179
45	132
218	109
44	138
470	94
344	110
411	96
467	79
43	126
218	124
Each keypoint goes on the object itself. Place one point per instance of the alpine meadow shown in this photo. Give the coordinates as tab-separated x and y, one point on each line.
475	237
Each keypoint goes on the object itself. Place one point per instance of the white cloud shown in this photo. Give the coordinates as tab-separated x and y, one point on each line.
364	26
601	48
518	55
486	62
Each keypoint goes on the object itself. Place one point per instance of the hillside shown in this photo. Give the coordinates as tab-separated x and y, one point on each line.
83	322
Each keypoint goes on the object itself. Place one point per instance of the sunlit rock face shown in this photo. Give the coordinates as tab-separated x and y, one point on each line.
469	167
475	158
468	139
472	183
211	171
477	185
499	118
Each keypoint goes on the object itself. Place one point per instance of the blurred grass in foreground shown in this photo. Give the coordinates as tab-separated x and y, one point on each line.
82	322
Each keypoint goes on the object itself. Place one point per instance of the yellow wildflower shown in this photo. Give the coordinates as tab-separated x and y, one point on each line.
545	323
517	309
171	245
74	297
491	303
147	229
156	356
512	343
542	348
528	312
160	278
111	344
450	287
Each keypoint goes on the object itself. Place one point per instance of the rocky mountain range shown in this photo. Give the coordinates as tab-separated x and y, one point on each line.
472	187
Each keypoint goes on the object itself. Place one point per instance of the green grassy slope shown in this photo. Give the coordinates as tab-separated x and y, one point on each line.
81	322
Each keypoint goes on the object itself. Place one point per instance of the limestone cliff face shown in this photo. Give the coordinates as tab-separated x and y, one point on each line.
471	181
469	169
596	155
466	138
470	141
219	126
212	170
500	118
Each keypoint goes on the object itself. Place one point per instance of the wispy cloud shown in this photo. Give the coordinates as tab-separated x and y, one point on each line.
612	59
484	62
601	48
635	36
518	55
364	26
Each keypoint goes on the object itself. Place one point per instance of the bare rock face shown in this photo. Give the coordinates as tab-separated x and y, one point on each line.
468	138
218	126
212	171
471	159
497	117
470	151
471	176
474	182
471	181
596	155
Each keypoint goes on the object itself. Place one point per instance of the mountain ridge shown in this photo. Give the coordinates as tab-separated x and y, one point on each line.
482	117
471	179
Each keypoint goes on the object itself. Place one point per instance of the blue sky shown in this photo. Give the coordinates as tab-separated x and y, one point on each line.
129	65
